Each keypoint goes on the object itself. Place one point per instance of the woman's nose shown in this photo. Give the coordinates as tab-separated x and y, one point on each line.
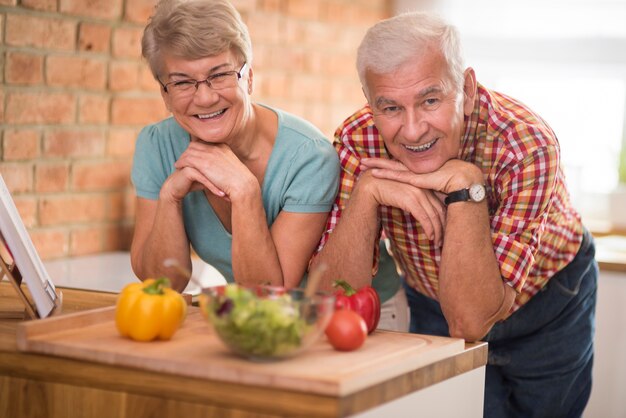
205	94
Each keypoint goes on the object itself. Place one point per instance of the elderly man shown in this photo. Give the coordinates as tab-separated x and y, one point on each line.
466	184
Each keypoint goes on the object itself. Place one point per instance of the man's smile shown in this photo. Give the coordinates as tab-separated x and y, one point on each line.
421	148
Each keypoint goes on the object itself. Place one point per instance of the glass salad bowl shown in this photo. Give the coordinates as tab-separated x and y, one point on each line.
266	322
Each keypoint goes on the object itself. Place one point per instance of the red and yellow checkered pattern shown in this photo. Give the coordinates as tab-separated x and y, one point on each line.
535	230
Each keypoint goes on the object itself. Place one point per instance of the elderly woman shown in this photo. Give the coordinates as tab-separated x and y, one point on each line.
247	186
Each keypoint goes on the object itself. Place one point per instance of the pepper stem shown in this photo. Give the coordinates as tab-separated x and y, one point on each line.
347	289
156	287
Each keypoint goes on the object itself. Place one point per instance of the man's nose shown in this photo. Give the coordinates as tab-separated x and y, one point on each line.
414	126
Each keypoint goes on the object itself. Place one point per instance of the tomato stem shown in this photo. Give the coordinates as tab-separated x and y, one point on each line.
347	289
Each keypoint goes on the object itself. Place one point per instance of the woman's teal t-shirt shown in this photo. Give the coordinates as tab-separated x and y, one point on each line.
302	176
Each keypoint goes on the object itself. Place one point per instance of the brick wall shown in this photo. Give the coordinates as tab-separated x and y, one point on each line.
74	94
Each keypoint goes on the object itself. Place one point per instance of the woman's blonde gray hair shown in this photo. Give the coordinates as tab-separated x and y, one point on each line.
393	42
194	29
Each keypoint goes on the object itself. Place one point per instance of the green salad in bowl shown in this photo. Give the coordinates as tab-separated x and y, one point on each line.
266	322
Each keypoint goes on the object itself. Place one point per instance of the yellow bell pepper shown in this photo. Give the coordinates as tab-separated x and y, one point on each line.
149	310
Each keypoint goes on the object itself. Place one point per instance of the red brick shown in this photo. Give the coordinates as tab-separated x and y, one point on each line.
118	238
27	208
272	5
304	9
8	2
50	243
102	9
340	12
88	73
275	85
347	39
127	42
307	87
21	144
130	200
294	32
102	175
341	64
40	107
262	60
121	142
369	16
40	32
86	240
319	115
94	37
293	106
137	111
17	176
117	206
266	27
2	117
23	68
69	209
44	5
314	62
139	11
51	177
325	36
245	6
147	82
293	59
124	75
346	90
93	109
74	143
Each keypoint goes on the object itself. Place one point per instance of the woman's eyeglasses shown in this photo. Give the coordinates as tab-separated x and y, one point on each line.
188	86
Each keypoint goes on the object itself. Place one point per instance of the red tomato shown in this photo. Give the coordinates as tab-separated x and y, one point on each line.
347	330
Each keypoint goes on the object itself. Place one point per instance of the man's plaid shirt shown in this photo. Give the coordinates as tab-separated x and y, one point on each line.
535	230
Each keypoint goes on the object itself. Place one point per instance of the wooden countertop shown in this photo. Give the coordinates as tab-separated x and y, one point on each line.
126	392
611	252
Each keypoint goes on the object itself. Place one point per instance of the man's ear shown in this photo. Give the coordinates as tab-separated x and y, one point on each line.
469	90
365	94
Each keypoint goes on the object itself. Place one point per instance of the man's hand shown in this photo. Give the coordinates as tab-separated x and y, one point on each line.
422	204
453	175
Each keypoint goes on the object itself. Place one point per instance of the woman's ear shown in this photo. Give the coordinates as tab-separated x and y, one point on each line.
469	91
166	99
250	81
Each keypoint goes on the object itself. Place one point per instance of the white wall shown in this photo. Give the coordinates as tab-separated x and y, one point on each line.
608	396
567	61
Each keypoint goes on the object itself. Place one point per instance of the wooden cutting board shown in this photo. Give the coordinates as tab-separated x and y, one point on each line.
195	351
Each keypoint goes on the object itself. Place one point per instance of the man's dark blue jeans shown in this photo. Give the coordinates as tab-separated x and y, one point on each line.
540	358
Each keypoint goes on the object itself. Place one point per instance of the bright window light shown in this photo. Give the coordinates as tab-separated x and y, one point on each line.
587	115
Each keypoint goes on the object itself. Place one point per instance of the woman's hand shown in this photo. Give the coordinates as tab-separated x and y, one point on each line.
216	168
185	180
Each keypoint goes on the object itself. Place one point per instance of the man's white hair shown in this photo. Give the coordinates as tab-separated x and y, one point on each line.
393	42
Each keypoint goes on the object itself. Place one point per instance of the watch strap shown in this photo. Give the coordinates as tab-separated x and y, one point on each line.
457	196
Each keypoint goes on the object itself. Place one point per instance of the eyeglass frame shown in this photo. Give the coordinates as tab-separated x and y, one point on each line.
206	81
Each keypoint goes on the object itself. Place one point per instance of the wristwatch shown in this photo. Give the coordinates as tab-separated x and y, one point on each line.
475	193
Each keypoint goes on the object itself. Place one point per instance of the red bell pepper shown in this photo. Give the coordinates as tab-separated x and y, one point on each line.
365	302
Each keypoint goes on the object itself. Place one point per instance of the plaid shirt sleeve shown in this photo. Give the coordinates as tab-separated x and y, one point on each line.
525	189
349	172
347	144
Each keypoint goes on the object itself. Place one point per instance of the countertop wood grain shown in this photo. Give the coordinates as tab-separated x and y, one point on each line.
33	385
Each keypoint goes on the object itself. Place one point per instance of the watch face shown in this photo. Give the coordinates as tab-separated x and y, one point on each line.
477	192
